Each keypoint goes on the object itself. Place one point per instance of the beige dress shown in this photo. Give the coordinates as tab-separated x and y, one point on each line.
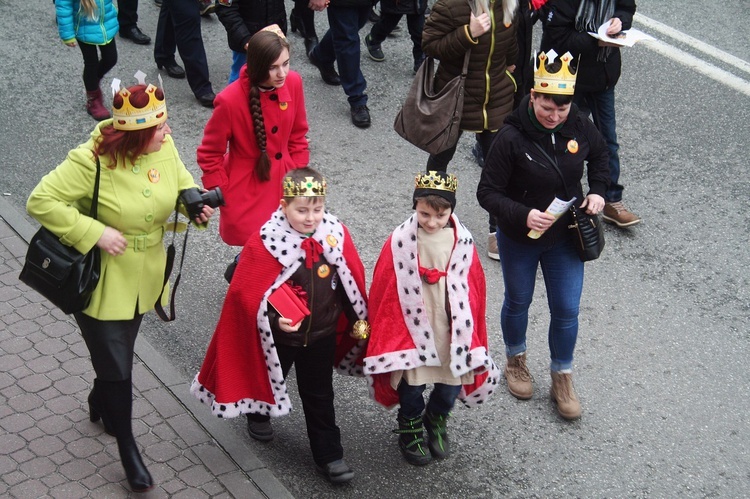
435	252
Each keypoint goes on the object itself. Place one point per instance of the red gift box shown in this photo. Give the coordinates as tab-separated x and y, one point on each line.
288	304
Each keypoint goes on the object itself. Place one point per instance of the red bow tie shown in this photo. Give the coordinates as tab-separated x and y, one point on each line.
313	250
431	276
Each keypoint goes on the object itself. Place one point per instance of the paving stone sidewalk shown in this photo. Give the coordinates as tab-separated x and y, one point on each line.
48	446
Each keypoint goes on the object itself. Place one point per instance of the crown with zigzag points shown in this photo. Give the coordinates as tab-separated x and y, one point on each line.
440	181
561	83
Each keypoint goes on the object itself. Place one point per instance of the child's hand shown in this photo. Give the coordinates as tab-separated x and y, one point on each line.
286	325
70	44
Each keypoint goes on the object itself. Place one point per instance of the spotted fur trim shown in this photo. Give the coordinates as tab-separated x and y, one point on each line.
464	357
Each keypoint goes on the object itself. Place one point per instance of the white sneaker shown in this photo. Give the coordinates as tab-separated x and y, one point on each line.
492	247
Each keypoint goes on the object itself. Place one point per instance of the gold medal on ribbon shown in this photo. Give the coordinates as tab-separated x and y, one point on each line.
323	271
332	242
572	146
153	175
283	105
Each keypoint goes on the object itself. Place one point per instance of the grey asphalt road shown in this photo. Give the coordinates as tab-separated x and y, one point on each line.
661	362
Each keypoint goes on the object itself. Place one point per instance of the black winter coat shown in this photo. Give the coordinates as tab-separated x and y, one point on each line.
517	177
403	6
243	18
560	33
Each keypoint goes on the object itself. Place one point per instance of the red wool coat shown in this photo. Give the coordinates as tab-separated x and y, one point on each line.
402	337
241	371
228	153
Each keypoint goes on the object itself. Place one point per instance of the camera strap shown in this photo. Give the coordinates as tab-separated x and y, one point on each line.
168	271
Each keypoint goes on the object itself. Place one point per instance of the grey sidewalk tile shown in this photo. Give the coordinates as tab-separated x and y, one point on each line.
239	485
188	429
214	458
164	402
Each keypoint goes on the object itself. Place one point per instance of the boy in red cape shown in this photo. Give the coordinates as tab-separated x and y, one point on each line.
427	311
253	347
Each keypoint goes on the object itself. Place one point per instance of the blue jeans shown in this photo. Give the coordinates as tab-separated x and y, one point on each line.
563	278
442	399
602	108
341	44
238	60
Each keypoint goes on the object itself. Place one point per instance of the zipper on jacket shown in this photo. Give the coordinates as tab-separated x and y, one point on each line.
485	118
310	304
528	156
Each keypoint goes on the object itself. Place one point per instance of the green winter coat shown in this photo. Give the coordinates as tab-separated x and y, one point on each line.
128	202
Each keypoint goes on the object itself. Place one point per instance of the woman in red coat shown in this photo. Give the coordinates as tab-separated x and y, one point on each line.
256	134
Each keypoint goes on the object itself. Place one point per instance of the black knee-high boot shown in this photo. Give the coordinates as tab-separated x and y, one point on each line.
302	19
117	401
96	408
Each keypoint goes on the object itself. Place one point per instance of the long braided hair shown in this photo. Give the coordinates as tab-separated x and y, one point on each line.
263	49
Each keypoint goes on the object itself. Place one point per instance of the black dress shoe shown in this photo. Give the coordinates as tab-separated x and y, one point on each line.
361	116
327	71
206	100
173	69
135	35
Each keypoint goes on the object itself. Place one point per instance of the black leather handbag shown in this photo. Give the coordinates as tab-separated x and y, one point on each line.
60	273
431	120
588	233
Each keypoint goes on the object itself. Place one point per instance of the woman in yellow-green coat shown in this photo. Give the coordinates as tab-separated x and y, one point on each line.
141	178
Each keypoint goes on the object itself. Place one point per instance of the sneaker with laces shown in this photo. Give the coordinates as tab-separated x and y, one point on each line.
518	377
374	50
207	7
492	250
616	213
564	395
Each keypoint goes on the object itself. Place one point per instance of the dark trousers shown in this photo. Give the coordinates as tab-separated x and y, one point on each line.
313	365
341	44
388	22
127	14
110	344
95	68
179	28
411	401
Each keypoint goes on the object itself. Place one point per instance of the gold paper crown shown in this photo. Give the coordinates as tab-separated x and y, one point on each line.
561	83
274	28
128	117
306	188
434	180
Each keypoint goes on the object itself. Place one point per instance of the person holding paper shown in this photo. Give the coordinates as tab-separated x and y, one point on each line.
519	184
308	250
567	27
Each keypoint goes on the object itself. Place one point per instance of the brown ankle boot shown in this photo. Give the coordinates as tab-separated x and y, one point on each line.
563	393
95	105
519	377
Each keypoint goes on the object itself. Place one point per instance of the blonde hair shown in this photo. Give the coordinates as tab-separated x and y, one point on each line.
89	8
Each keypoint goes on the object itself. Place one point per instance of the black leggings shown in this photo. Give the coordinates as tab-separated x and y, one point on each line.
110	344
94	68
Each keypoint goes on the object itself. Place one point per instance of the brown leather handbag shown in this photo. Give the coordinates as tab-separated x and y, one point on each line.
431	120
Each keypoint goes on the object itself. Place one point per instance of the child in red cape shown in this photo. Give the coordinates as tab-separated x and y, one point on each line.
253	347
427	311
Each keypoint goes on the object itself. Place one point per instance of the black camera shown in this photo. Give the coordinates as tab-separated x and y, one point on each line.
194	200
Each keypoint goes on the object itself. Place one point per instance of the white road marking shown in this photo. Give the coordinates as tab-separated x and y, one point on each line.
699	65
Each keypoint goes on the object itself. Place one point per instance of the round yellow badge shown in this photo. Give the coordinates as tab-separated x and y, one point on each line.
572	146
323	271
283	105
332	242
153	175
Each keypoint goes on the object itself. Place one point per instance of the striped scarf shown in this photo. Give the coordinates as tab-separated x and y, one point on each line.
592	14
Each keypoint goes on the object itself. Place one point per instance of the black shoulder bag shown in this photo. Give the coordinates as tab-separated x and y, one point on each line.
60	273
588	231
